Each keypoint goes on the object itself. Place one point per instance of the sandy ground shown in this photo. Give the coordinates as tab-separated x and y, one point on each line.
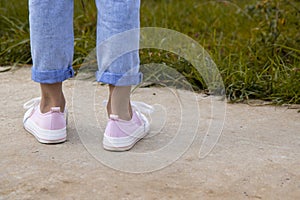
256	157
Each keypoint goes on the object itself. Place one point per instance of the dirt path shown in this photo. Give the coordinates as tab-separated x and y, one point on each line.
257	156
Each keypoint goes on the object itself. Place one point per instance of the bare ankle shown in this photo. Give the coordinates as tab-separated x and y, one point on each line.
52	96
47	103
119	97
125	116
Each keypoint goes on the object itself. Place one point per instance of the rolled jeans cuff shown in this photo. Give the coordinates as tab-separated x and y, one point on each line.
119	79
51	76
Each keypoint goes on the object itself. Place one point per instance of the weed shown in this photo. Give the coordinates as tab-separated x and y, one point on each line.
254	43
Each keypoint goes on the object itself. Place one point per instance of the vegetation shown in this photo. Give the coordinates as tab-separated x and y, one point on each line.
255	43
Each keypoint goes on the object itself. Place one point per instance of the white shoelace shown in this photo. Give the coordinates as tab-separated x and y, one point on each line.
35	102
32	103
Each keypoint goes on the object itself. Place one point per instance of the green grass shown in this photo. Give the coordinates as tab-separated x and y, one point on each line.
255	43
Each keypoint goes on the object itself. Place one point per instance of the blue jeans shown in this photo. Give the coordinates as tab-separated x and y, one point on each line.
52	40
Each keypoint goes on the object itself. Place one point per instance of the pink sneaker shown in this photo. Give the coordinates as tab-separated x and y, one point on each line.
47	127
122	135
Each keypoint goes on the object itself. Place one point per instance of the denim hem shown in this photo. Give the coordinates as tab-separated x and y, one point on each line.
119	79
51	76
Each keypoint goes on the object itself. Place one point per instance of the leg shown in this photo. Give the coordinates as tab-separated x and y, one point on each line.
118	62
51	34
116	17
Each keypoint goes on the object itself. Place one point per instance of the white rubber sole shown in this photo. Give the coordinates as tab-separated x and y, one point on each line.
125	143
45	136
